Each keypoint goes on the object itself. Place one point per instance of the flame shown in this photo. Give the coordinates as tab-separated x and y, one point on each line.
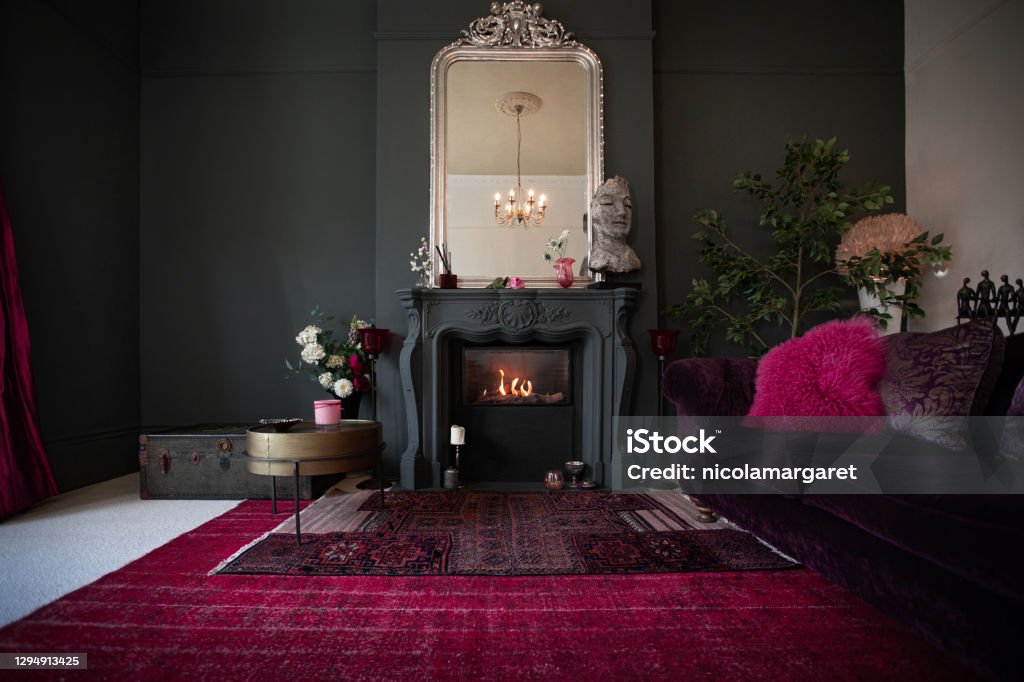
516	389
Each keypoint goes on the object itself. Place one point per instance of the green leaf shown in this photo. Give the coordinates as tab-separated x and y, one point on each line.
498	283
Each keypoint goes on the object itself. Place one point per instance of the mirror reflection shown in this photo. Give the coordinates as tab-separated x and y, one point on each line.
515	123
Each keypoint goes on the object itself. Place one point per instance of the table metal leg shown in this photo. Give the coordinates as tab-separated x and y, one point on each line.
273	492
380	476
298	535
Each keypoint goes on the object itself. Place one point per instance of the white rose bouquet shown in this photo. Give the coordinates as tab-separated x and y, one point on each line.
338	365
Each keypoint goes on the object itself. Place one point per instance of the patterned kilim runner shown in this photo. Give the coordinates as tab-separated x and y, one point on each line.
488	533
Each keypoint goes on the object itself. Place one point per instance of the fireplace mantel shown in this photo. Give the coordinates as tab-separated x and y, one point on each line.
597	319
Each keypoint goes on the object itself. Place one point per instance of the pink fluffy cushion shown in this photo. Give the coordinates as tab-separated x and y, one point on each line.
831	371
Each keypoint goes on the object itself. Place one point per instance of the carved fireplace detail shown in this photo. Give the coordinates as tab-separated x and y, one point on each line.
573	342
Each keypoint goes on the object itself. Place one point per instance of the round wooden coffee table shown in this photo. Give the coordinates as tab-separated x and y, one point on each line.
308	449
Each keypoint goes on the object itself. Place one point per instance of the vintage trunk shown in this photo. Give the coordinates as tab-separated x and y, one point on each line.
207	462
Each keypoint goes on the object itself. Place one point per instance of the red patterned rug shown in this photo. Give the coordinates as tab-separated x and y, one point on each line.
164	617
490	533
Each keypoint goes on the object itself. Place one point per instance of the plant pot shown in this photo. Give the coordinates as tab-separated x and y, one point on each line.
869	301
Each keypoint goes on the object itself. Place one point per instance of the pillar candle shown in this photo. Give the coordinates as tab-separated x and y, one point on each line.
458	435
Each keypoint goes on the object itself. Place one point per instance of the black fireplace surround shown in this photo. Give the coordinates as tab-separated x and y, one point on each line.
590	325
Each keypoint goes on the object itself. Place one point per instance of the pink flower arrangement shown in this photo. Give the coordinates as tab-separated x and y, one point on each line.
516	283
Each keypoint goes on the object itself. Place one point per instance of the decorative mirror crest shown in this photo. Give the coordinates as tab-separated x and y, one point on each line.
516	24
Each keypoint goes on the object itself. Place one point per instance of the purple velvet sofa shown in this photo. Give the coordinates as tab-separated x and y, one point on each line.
945	566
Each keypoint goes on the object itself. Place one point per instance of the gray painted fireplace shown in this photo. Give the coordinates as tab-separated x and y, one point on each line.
440	319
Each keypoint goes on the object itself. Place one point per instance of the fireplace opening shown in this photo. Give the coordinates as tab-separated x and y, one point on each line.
520	407
509	376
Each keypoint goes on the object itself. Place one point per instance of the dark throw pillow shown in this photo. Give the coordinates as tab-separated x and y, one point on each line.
1011	445
935	380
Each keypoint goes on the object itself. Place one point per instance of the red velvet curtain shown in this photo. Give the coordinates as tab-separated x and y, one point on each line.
25	476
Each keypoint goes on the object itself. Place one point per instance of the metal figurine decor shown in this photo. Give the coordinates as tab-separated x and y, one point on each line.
986	301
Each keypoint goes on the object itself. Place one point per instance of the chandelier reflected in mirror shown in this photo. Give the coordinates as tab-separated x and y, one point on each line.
519	210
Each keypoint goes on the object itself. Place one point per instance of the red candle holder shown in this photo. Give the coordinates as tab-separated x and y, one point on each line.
663	341
374	340
663	344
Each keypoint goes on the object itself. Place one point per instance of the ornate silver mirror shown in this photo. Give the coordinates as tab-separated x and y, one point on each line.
516	147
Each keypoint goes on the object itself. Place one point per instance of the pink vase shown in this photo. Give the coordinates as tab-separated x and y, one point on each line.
563	271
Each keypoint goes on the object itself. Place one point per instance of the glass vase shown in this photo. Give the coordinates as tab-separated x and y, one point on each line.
350	405
563	271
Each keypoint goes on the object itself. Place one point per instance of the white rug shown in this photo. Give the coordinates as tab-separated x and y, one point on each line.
73	539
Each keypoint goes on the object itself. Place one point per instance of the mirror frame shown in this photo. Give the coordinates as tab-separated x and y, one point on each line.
518	33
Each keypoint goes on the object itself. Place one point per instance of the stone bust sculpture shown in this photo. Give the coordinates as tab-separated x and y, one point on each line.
611	213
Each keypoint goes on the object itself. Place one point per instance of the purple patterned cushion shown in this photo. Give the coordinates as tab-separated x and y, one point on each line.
935	380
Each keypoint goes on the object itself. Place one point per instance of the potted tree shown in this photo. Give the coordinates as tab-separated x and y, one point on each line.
805	211
884	256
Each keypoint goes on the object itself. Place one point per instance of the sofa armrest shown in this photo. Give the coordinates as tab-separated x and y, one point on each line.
710	387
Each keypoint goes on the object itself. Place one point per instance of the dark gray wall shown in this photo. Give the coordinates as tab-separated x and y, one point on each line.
283	156
69	164
257	191
409	34
734	80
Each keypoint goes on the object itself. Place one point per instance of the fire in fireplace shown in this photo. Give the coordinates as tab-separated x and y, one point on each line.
504	376
518	403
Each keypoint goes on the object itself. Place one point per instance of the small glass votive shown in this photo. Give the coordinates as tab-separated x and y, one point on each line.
553	480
